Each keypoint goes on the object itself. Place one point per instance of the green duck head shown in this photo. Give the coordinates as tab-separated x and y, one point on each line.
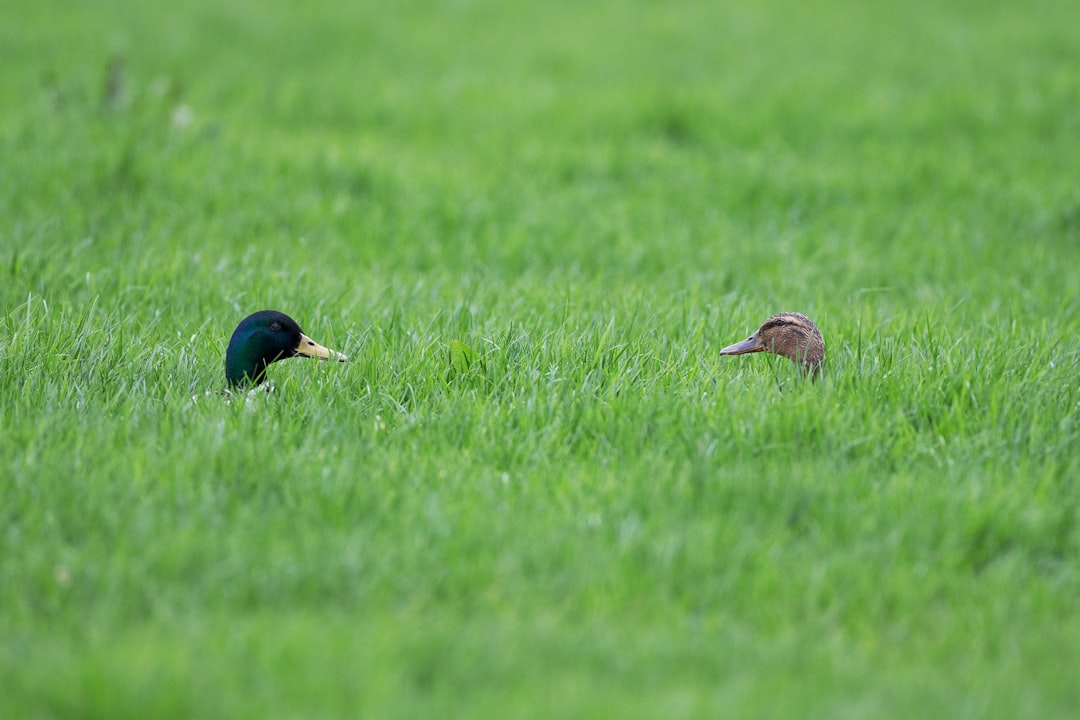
265	337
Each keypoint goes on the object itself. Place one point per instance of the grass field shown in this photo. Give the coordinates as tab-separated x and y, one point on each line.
607	519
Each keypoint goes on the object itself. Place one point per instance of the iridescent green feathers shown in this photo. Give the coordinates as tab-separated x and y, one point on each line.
266	337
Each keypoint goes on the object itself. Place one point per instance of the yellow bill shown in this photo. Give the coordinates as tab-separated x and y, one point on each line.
312	349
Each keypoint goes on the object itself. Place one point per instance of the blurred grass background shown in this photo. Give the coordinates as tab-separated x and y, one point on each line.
611	519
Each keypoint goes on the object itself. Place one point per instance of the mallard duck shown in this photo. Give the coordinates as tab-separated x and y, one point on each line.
265	337
790	334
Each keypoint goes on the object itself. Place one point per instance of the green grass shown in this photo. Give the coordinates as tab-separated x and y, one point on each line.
606	519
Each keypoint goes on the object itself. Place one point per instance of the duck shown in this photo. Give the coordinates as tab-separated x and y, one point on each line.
790	334
265	337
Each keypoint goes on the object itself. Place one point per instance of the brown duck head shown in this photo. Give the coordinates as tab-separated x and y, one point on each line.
790	334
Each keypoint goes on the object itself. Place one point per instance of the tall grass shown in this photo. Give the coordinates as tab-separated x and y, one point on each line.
600	515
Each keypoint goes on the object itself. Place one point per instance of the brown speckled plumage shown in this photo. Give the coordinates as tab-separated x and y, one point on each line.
790	334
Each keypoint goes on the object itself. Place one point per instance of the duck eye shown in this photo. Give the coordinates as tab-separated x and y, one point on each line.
275	326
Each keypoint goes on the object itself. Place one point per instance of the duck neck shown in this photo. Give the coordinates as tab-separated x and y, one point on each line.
244	370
